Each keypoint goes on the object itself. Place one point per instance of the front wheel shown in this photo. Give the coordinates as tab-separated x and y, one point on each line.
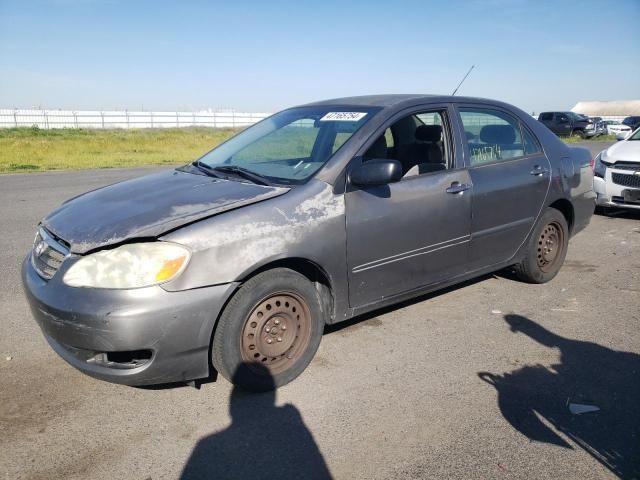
578	133
269	331
546	248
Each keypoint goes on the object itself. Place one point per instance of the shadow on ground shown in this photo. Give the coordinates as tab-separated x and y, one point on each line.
263	442
627	214
536	400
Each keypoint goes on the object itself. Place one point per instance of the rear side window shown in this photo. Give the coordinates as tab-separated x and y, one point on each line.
531	145
546	116
492	135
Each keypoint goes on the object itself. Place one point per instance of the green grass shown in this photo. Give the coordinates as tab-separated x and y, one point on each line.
32	149
600	138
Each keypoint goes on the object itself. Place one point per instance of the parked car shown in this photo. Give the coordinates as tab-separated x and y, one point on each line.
568	124
600	126
616	173
614	127
632	122
311	217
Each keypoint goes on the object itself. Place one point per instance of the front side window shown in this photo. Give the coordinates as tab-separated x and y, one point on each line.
492	135
291	146
418	141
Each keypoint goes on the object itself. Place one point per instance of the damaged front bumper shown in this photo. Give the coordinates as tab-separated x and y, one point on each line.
142	336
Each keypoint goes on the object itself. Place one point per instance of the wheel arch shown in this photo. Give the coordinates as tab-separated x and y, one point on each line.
565	207
311	270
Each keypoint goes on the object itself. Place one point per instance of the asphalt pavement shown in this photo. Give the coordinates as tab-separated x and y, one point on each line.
477	381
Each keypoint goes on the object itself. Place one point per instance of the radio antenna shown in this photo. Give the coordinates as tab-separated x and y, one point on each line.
463	79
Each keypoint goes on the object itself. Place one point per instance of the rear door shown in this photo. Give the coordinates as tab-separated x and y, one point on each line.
547	119
510	176
415	232
562	124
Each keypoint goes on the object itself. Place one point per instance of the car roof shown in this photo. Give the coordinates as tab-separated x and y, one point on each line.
398	99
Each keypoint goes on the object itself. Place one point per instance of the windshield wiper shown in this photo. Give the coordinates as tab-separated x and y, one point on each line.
203	167
242	172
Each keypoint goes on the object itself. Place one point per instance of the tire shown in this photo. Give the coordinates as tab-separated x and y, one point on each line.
578	133
546	248
269	331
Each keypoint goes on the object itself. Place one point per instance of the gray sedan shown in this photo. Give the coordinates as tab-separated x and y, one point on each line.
235	263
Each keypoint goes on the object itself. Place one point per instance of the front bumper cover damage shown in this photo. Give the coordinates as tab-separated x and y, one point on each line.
144	336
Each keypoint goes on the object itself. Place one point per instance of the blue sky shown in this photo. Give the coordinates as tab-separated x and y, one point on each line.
267	55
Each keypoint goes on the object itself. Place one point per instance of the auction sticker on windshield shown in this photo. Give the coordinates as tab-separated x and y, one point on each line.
343	116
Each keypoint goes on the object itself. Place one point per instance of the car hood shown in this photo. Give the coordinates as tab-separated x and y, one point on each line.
147	207
624	151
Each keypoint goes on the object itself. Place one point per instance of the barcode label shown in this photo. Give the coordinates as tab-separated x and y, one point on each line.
343	116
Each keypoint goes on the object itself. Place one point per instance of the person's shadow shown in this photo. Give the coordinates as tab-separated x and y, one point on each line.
263	441
588	374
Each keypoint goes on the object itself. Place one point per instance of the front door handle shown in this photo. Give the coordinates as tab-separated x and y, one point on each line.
457	187
538	171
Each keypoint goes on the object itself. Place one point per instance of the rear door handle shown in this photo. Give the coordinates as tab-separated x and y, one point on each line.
457	187
538	171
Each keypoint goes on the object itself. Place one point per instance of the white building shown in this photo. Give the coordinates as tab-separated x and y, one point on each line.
613	110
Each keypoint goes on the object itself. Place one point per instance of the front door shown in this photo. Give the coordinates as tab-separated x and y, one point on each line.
415	232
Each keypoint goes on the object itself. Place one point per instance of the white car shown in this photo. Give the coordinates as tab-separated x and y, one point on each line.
614	127
616	174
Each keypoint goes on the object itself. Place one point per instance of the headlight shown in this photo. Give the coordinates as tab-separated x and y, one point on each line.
129	266
600	164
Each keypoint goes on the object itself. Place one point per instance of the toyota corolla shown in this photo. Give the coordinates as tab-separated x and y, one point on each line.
311	217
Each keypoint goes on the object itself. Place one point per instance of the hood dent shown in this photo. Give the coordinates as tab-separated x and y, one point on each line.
147	207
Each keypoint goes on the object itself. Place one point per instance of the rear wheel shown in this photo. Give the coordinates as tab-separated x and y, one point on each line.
546	248
269	331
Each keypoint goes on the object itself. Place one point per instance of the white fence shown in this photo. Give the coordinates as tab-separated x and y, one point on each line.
47	119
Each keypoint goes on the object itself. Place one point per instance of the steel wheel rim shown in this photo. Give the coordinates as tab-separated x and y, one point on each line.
276	332
550	245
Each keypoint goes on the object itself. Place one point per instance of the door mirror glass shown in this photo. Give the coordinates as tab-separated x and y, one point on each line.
376	172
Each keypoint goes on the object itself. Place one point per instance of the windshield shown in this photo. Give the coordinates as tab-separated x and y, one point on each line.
290	146
576	116
635	136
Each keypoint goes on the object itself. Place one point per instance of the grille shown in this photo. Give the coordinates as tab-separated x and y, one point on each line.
626	180
47	254
626	166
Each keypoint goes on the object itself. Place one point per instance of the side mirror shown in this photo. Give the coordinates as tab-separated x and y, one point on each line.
377	171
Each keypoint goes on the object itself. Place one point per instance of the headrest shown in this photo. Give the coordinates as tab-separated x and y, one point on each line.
429	133
498	134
